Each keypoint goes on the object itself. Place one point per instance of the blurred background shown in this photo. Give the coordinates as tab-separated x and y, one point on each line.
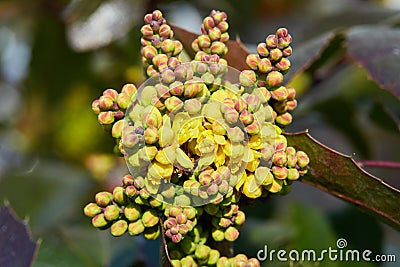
57	56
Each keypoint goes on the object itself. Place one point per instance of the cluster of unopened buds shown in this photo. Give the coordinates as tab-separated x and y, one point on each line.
199	138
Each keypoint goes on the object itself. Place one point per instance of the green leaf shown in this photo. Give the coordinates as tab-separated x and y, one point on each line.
17	245
382	117
340	176
377	49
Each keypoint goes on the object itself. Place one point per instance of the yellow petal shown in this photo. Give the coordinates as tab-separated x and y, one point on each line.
219	139
206	160
250	188
166	155
183	159
219	95
166	134
147	153
157	170
264	176
219	157
241	181
252	165
179	120
275	186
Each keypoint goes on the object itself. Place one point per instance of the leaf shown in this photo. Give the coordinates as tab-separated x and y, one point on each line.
17	245
340	176
382	117
377	49
237	52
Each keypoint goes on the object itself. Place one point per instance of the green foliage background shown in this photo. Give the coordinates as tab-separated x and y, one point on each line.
54	156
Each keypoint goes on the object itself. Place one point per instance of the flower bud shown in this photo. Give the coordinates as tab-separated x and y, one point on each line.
253	103
165	31
275	54
150	218
224	222
173	104
168	76
119	228
182	201
264	65
112	212
231	234
280	172
235	134
119	195
274	78
253	262
160	60
103	199
192	87
253	128
283	65
192	106
130	191
149	52
214	34
213	257
212	189
130	139
204	41
263	176
99	221
262	50
151	71
190	212
106	117
208	23
178	47
96	106
231	116
91	210
247	78
302	159
136	228
291	105
176	238
127	180
151	135
218	48
188	246
177	88
279	158
286	52
284	119
293	174
106	102
123	100
252	61
271	41
202	252
181	218
132	212
195	45
246	117
223	262
240	218
267	153
152	233
218	128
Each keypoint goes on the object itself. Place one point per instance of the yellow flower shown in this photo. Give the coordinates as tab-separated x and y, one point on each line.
249	186
158	170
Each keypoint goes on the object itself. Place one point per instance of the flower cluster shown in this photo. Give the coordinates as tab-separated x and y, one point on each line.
198	137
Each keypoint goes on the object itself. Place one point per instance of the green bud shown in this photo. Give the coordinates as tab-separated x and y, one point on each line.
187	245
176	262
291	160
246	117
284	119
302	159
240	218
99	221
274	78
280	172
119	195
152	233
264	65
280	94
182	201
252	61
91	210
103	199
123	100
188	261
177	88
231	234
291	105
202	252
213	257
262	50
112	212
283	65
247	78
132	212
173	104
223	262
119	228
293	174
150	218
106	117
218	48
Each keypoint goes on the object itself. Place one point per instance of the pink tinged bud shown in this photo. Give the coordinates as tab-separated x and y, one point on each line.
177	88
214	34
218	48
192	106
151	135
227	104
148	18
165	31
178	47
118	115
223	261
218	16
267	153
291	93
162	91
303	172
253	128
263	94
119	228
167	46
103	199
283	65
202	252
223	26
96	106
208	23
130	139
111	212
175	211
181	218
111	93
132	212
106	102
240	218
119	195
279	172
99	221
290	151
91	210
116	130
235	135
192	88
291	105
240	105
168	76
271	41
284	119
282	33
146	30
123	100
190	212
195	45
176	238
231	234
151	71
264	65
287	51
262	50
144	42
280	107
200	67
252	61
149	52
157	15
253	103
150	218
224	222
170	222
224	37
274	78
247	78
231	116
279	158
280	94
302	159
160	60
130	191
253	262
275	54
173	104
204	41
293	174
212	189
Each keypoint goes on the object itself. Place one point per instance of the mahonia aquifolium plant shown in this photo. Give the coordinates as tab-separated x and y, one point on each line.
200	139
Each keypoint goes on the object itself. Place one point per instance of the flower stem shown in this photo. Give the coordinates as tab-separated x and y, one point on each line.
379	164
